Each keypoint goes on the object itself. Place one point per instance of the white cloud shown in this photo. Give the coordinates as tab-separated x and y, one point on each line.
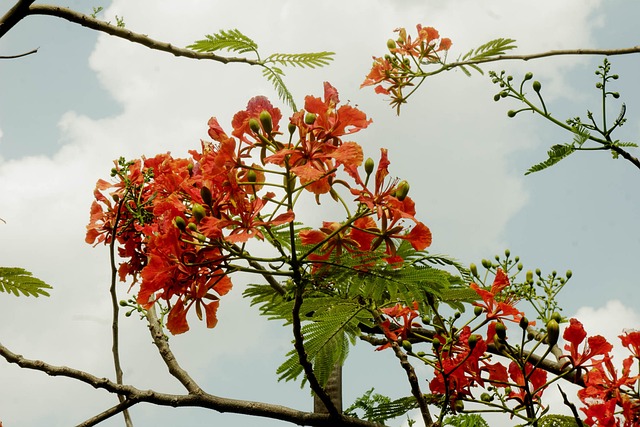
451	143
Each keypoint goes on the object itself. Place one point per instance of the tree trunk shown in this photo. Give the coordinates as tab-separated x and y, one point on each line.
333	389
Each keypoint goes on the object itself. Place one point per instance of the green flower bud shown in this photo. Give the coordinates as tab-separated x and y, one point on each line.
569	274
310	118
406	344
528	76
292	128
206	195
267	124
556	316
458	406
486	397
519	266
507	390
536	86
486	263
391	44
123	303
472	341
251	175
524	323
529	277
402	190
436	343
368	166
477	310
511	113
192	226
254	125
553	332
474	270
496	97
198	212
180	223
501	331
507	253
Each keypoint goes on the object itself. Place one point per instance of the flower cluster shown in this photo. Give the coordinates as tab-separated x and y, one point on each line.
181	225
396	71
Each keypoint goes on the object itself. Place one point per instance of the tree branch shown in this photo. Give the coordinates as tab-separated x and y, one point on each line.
123	33
201	399
14	15
20	55
114	410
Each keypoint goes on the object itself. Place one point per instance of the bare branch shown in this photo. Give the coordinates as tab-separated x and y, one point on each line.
123	33
20	55
14	15
201	399
114	410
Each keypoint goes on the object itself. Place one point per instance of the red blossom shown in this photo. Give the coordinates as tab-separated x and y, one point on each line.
631	340
528	382
496	309
402	328
575	334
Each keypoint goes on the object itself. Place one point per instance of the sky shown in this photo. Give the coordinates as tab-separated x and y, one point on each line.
85	99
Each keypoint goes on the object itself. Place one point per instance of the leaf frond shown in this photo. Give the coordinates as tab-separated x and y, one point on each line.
230	40
304	60
19	281
274	75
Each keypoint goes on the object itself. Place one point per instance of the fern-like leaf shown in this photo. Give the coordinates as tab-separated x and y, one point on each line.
304	60
19	281
378	408
490	49
466	420
274	75
230	40
326	339
556	153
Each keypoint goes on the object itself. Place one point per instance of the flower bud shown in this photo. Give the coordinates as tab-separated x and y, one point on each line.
391	44
192	226
309	118
406	344
486	397
292	128
402	190
529	277
368	166
486	263
458	406
507	253
553	332
251	175
265	120
528	76
206	195
524	323
511	113
569	273
198	212
180	223
556	316
474	270
472	341
254	125
436	343
536	86
477	310
501	331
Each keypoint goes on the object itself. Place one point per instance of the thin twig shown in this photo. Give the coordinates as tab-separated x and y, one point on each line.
19	55
115	311
114	410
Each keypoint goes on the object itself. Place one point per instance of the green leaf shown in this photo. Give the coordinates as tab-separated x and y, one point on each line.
274	75
492	48
556	153
309	60
378	408
466	420
18	280
230	40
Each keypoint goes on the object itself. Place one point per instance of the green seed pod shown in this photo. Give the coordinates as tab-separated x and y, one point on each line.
474	270
310	118
391	44
368	166
206	195
536	86
477	310
198	212
501	331
180	223
553	332
528	76
406	344
254	125
402	190
267	123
